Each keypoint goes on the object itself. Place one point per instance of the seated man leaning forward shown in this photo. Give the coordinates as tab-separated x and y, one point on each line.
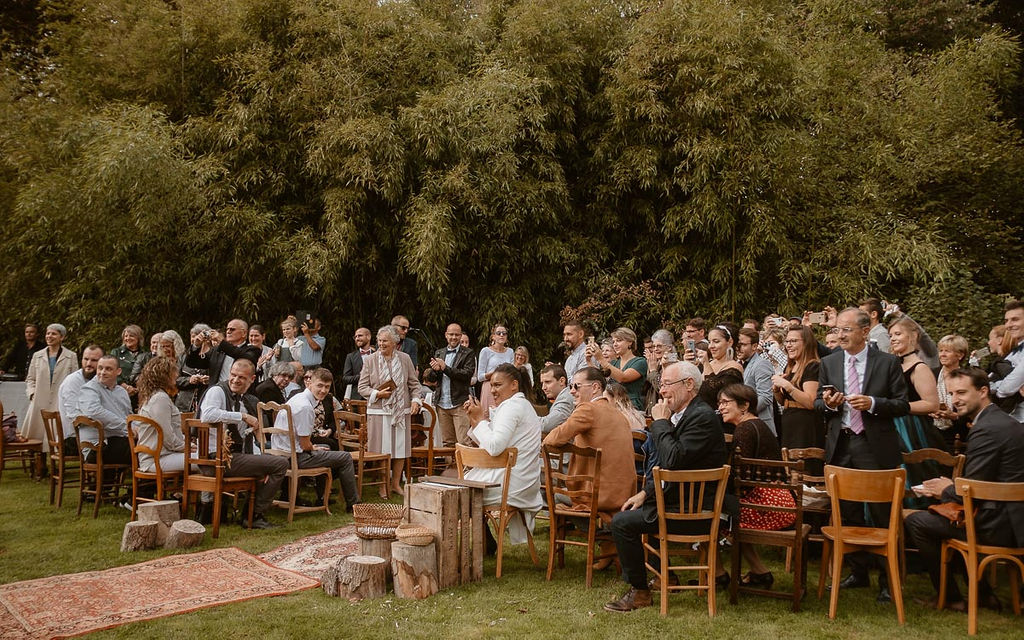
102	399
228	402
308	416
686	435
514	424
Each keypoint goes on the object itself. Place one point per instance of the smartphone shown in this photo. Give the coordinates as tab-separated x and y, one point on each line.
982	353
472	393
818	317
691	345
591	340
825	388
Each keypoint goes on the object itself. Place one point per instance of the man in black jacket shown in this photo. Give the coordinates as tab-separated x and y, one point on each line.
354	364
686	435
995	453
451	370
217	359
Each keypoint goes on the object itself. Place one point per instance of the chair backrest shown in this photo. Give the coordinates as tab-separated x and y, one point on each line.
693	487
424	430
268	412
136	421
199	432
480	459
639	457
84	447
863	485
351	430
578	488
54	430
354	406
954	463
807	453
755	473
972	490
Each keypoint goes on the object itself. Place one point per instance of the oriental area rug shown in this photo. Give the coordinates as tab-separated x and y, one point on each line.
70	605
312	555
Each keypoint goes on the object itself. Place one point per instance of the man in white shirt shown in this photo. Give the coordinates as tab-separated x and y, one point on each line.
68	392
308	416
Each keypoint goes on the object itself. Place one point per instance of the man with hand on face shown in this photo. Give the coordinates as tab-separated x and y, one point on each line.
354	364
104	400
228	403
451	370
308	416
553	382
68	392
995	453
687	435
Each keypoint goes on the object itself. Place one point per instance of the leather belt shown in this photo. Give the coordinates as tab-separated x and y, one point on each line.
847	430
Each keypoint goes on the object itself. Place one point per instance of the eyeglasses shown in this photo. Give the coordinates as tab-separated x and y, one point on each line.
234	328
501	333
669	384
308	376
575	386
726	401
848	329
402	327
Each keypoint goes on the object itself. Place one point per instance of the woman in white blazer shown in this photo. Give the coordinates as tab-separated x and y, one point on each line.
46	371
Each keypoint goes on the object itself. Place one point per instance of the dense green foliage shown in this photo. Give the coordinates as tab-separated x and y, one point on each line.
497	160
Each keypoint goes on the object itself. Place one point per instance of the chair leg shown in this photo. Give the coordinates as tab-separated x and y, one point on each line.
502	523
99	493
552	537
81	492
799	572
53	482
734	587
837	570
943	569
663	576
712	563
217	498
591	541
293	495
60	483
1015	574
972	594
896	583
826	557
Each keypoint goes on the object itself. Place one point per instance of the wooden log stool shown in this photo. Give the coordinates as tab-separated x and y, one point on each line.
139	535
356	578
185	533
414	570
166	512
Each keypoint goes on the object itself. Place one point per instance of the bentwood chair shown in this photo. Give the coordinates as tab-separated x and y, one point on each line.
268	412
164	481
695	512
425	457
62	464
197	452
978	556
101	480
499	514
869	486
352	436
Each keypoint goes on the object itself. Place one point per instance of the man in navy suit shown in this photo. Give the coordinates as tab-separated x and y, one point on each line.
861	390
354	364
995	453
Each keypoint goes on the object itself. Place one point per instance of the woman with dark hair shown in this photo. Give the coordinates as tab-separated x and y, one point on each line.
737	403
628	369
719	364
795	391
490	357
156	389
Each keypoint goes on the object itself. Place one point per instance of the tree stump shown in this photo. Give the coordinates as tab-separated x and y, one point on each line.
139	535
166	512
185	533
356	577
377	547
414	570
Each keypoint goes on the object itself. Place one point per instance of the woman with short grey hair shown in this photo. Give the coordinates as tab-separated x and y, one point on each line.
46	371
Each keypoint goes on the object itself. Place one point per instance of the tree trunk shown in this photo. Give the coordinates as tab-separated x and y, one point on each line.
139	535
377	547
414	570
356	577
166	512
185	533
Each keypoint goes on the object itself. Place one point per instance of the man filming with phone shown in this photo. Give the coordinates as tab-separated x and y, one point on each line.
314	355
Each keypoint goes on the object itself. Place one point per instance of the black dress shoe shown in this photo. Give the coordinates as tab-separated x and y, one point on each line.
721	582
854	581
990	601
259	522
883	594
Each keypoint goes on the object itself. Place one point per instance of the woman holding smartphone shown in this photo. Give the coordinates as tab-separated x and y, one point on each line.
627	368
795	391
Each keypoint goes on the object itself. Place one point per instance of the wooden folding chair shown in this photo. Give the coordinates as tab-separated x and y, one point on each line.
577	490
873	486
268	412
95	474
197	443
352	438
165	480
500	514
61	465
693	486
978	556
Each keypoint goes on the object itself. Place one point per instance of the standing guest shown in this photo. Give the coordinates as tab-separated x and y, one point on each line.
192	381
952	354
1009	387
606	349
687	435
513	423
553	383
490	357
219	358
521	359
154	344
46	372
696	331
879	335
272	389
289	348
127	353
861	391
757	374
156	386
915	429
406	344
451	369
170	345
68	393
258	338
312	355
737	404
750	323
718	363
663	352
20	356
628	369
388	382
573	336
354	364
103	400
795	390
832	339
1000	344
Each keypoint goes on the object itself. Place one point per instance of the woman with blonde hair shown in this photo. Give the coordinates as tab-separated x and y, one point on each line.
627	368
490	357
952	353
289	347
156	391
619	398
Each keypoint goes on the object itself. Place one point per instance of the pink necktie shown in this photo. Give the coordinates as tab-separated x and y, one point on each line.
853	388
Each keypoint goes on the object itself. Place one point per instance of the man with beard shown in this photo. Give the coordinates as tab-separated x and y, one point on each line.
67	396
354	364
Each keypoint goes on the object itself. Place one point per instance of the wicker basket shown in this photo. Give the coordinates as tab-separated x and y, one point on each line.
377	521
414	534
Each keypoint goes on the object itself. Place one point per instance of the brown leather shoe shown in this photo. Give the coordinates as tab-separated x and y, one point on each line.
634	599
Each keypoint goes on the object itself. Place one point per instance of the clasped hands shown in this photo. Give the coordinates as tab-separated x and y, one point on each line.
834	399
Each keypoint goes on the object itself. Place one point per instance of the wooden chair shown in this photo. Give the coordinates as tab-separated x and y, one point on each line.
816	516
500	514
60	464
583	489
197	443
102	480
752	474
352	438
428	453
860	485
977	556
29	453
953	464
354	406
165	480
693	509
639	458
269	411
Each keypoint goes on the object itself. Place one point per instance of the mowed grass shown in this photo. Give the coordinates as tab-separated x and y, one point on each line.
38	540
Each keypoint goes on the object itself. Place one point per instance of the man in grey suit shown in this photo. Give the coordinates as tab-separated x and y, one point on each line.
995	453
861	390
553	382
757	374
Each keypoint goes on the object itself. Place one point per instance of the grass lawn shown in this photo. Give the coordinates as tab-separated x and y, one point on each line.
37	540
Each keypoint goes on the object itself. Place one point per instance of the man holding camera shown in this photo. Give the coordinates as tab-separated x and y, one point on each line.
218	358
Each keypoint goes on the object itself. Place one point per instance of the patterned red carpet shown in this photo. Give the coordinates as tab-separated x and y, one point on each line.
312	554
69	605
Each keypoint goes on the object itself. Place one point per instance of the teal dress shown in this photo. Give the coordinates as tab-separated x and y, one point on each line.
635	389
918	432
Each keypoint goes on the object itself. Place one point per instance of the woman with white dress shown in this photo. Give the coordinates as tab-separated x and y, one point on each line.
388	382
156	383
490	357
